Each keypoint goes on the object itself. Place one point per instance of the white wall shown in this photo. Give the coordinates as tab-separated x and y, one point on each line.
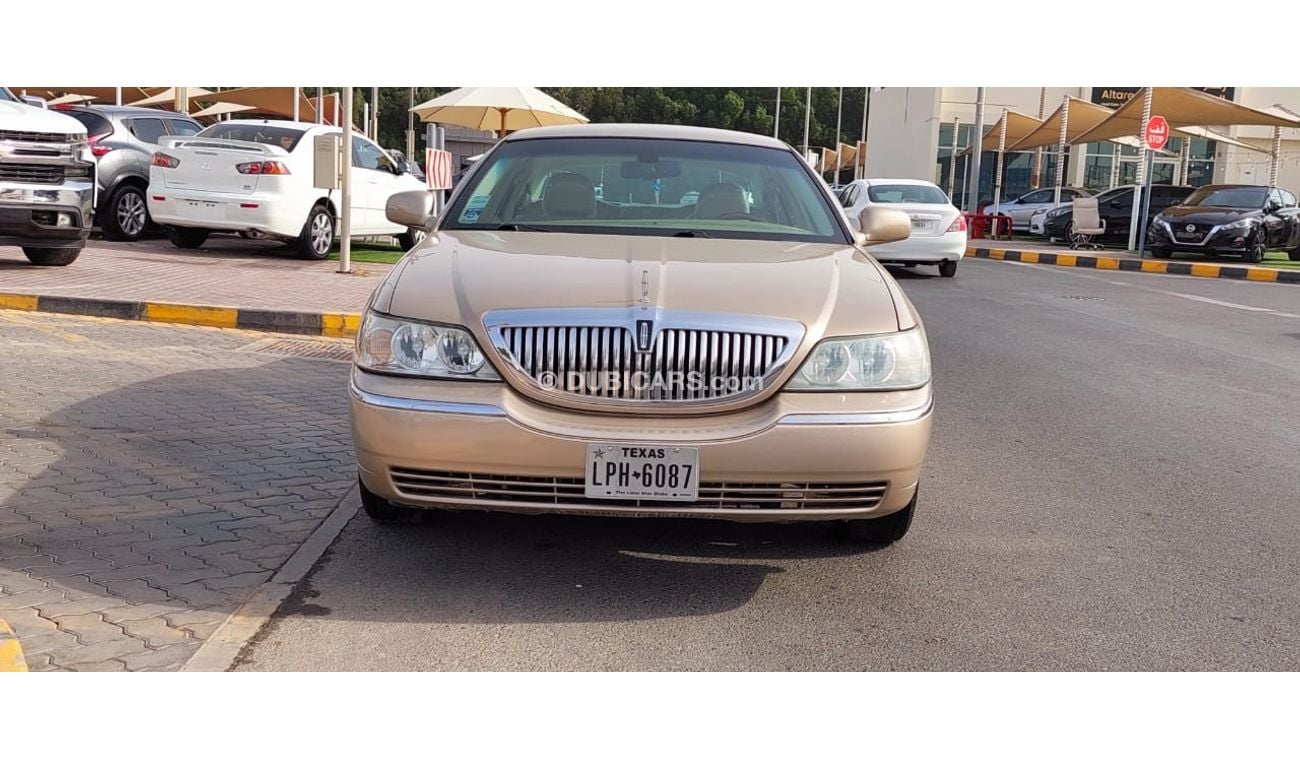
902	132
1251	167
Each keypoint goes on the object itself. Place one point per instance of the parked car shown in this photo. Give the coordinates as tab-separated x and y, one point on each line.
938	227
256	176
123	139
1023	208
556	353
47	182
1115	207
1241	220
412	166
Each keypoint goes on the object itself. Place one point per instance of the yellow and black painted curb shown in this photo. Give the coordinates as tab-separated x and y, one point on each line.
1150	266
329	324
11	652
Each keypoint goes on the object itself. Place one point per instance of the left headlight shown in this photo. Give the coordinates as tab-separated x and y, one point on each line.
867	363
1240	224
420	349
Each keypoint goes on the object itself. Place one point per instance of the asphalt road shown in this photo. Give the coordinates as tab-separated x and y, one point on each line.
1113	483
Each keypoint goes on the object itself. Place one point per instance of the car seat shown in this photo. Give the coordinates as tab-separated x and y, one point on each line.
720	200
569	196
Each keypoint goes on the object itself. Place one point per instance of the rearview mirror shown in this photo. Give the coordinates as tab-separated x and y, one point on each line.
883	225
412	208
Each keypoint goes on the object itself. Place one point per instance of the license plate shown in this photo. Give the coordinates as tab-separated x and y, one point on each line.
921	225
637	471
201	210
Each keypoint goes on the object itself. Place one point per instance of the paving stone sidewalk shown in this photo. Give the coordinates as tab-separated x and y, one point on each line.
151	476
228	271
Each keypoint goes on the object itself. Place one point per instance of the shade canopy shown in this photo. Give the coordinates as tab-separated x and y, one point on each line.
1018	126
272	101
100	94
1083	116
168	97
221	109
497	109
71	99
1181	107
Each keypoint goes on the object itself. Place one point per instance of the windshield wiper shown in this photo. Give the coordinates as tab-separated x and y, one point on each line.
690	234
523	228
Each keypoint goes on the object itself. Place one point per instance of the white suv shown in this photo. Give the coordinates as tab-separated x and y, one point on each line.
257	177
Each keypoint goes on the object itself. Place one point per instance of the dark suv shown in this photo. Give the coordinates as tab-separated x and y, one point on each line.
1115	206
123	139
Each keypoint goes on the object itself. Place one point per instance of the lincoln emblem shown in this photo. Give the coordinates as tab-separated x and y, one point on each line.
645	286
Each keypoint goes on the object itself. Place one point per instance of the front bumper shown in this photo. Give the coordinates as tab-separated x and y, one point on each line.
950	246
28	213
1215	241
485	429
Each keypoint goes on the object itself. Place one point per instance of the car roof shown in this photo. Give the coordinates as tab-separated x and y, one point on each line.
109	110
1232	187
650	131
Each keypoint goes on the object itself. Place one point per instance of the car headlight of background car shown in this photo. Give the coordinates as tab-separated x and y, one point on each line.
867	363
420	349
1061	211
1240	224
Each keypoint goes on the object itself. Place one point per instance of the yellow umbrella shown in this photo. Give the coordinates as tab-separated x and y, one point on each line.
499	109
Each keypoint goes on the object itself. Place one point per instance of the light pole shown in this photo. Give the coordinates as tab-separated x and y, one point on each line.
973	189
1144	157
345	192
807	116
776	127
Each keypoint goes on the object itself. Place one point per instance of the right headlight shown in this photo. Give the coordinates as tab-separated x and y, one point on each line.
420	349
892	361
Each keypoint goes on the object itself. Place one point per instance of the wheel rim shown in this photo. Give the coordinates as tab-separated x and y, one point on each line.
131	213
322	234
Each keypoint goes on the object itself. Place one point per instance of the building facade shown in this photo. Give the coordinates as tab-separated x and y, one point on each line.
915	132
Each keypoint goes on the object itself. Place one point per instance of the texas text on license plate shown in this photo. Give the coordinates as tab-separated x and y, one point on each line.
638	471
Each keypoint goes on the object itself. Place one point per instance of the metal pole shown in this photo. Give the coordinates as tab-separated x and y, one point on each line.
1275	163
807	116
776	127
952	158
365	119
374	113
1146	207
1036	179
410	125
973	189
1185	159
1060	150
345	195
866	101
296	95
839	120
1114	166
1134	222
119	95
320	105
997	178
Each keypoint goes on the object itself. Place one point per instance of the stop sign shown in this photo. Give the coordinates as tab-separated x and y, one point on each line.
1157	132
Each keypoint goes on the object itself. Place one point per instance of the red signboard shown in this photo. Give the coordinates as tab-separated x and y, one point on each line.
1157	133
438	168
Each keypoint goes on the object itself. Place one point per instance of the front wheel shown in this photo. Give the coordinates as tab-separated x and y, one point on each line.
1294	254
1255	253
51	257
1161	253
317	235
126	216
880	531
948	268
187	237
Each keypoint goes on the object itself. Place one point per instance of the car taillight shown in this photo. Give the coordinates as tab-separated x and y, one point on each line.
958	224
165	161
96	149
262	167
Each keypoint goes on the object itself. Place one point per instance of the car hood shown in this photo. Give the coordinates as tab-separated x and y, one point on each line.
459	276
1207	214
22	117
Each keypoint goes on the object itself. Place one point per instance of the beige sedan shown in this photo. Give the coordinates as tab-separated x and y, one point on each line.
644	321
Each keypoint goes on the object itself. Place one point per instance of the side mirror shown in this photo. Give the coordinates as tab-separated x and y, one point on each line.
410	209
399	168
882	225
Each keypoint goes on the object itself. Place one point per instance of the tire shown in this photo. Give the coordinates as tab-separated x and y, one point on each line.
386	512
187	237
880	531
126	215
1294	254
51	257
1255	253
947	268
1161	253
317	235
411	238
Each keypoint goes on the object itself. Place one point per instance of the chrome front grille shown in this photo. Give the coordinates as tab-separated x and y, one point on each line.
433	485
40	137
50	174
629	357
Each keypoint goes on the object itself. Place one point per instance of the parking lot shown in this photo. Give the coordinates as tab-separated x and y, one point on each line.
1110	485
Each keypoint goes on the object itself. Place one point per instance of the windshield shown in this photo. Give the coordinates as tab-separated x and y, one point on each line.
906	194
1228	197
635	186
252	131
6	95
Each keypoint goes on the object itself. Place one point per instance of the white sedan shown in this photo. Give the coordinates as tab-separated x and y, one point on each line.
1022	209
256	177
938	227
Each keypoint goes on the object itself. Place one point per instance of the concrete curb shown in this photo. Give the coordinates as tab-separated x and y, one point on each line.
1150	266
222	649
329	324
11	652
